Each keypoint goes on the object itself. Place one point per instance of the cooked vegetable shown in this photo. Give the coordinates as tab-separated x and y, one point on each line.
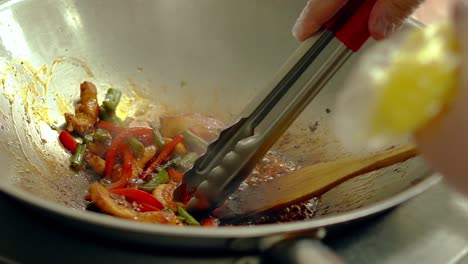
77	159
186	216
144	207
210	222
161	178
158	139
68	141
172	162
194	142
117	141
175	176
127	168
101	135
110	117
137	147
141	166
163	155
113	129
138	196
187	161
112	99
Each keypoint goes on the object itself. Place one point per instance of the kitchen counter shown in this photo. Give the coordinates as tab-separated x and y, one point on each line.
431	228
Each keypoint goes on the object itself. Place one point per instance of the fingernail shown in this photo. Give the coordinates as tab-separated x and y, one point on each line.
297	29
298	25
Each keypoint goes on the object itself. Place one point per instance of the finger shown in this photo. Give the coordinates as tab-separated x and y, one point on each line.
314	15
388	16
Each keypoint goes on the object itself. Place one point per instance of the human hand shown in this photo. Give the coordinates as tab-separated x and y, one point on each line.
386	17
444	144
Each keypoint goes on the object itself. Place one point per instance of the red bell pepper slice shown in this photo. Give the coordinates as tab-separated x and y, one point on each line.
144	207
163	155
175	176
210	222
68	141
138	196
111	155
113	129
127	168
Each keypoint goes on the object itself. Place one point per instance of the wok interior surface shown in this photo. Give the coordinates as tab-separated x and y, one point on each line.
206	56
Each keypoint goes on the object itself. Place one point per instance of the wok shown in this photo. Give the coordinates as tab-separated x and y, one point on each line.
205	56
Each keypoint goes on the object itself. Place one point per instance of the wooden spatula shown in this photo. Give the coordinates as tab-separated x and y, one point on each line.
308	182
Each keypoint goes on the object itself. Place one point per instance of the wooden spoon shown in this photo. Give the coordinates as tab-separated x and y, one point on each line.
308	182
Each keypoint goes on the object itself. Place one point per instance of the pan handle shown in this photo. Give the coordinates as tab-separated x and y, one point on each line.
300	251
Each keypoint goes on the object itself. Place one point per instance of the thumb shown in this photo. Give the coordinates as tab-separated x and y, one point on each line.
445	144
388	16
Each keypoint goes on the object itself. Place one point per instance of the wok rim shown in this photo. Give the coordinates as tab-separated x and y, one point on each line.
112	222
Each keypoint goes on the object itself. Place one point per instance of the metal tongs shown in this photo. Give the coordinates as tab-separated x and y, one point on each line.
233	156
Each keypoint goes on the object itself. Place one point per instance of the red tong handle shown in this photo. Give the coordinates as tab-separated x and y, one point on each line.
351	24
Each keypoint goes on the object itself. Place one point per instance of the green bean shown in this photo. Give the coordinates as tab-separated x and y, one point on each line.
137	147
187	161
186	216
112	99
77	159
101	135
172	162
110	117
158	139
161	178
194	142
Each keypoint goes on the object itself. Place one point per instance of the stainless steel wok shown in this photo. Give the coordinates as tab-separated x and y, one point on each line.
206	56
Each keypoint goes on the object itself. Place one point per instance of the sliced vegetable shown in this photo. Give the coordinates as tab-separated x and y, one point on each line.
127	168
210	222
87	138
144	207
110	117
68	141
163	155
186	216
175	176
158	139
113	129
186	163
77	159
112	99
101	135
194	142
161	178
98	148
138	196
137	147
172	162
117	141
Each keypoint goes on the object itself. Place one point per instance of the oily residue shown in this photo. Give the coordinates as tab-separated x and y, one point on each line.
29	103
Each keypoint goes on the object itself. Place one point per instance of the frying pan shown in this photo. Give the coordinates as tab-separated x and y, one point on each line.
206	56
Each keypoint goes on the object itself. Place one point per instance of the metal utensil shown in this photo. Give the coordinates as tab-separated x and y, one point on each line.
231	158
